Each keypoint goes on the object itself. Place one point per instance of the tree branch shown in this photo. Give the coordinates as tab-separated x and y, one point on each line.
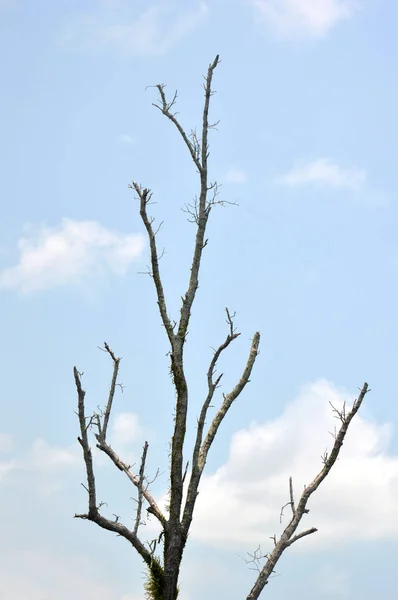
145	195
93	510
102	431
140	488
119	529
102	442
165	109
199	156
203	212
83	441
228	400
122	466
212	386
288	538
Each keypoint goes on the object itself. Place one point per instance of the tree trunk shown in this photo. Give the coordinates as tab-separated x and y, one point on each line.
174	546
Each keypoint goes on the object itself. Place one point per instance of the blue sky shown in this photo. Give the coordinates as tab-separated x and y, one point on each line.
306	146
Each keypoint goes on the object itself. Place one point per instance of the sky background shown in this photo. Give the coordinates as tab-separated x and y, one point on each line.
306	147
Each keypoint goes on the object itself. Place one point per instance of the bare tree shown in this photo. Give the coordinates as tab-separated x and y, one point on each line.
175	525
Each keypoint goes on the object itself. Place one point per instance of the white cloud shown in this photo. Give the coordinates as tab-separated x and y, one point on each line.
235	176
126	428
71	253
6	443
312	18
240	503
5	468
45	463
326	173
151	32
44	457
67	575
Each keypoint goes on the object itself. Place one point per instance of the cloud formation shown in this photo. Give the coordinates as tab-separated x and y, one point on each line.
152	32
67	575
46	458
6	443
326	173
72	253
126	428
310	18
240	502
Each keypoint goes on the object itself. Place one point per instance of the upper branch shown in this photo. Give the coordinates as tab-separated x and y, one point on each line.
116	362
145	196
288	538
199	156
205	117
165	109
203	211
228	399
212	386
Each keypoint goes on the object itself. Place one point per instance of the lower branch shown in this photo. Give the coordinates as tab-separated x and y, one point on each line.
122	466
119	529
288	538
93	510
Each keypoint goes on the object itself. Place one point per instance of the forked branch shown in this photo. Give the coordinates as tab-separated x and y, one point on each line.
212	384
201	448
145	195
288	538
102	422
203	210
228	400
93	513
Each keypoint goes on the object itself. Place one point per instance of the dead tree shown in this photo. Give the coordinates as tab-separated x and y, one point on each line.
175	524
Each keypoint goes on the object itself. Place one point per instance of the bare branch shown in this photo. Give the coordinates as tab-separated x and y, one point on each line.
301	535
165	109
83	441
203	213
145	195
177	341
155	510
212	386
116	363
140	488
291	495
228	400
102	443
255	559
185	472
93	510
119	529
288	538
